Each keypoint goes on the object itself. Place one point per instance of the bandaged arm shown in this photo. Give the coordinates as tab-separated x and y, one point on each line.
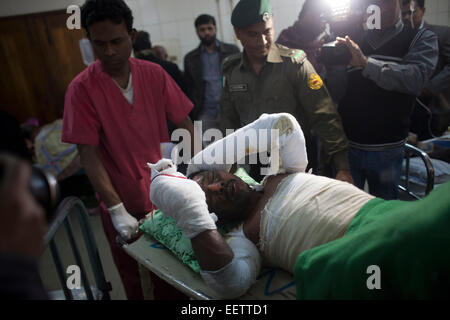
290	146
238	275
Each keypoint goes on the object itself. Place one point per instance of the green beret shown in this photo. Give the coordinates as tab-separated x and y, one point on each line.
248	12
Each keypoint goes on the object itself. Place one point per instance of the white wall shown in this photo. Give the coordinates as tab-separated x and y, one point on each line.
171	22
18	7
437	12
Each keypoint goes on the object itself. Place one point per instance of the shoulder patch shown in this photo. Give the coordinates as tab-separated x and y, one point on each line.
296	55
231	60
299	56
315	81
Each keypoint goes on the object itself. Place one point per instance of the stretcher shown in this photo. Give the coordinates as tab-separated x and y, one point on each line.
271	284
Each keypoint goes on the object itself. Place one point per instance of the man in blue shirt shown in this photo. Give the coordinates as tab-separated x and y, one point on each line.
202	68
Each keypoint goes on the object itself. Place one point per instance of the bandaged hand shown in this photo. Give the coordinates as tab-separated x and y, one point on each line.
124	223
287	147
181	199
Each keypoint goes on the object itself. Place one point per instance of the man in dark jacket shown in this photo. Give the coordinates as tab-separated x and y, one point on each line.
203	72
306	32
143	50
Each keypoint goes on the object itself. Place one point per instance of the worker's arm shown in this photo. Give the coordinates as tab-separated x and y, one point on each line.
123	222
97	175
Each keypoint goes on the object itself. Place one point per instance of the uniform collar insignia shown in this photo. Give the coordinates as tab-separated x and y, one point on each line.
274	55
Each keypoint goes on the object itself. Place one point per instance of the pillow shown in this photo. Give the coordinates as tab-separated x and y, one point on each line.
52	155
165	230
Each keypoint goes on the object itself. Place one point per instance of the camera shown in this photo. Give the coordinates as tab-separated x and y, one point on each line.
332	54
45	188
42	185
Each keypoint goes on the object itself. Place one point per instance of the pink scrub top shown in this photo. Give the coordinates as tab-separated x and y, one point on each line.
128	136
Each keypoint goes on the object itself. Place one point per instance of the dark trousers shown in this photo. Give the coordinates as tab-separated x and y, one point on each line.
381	169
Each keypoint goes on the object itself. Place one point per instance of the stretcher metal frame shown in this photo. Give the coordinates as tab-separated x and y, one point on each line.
271	284
413	151
72	206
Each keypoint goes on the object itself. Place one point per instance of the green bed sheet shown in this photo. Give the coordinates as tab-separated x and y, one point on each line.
408	241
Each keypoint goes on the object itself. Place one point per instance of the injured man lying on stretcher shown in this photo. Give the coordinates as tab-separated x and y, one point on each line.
283	221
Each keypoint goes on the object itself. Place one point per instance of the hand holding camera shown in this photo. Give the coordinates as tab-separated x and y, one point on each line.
358	59
343	51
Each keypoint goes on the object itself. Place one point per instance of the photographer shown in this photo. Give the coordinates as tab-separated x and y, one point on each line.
307	32
22	231
388	68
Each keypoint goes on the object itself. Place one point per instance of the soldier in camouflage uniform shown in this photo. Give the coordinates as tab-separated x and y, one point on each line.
270	78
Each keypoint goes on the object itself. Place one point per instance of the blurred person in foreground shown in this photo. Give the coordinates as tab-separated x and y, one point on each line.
22	230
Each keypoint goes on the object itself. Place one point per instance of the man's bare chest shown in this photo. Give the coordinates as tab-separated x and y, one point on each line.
252	225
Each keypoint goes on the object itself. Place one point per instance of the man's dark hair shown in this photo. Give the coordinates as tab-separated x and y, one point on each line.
420	3
142	41
204	19
316	5
117	11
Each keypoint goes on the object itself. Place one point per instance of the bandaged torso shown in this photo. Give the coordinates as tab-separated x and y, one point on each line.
304	212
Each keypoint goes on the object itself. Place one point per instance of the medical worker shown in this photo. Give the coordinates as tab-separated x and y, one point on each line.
116	111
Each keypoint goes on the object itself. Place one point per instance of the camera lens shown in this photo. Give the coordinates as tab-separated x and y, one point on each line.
45	189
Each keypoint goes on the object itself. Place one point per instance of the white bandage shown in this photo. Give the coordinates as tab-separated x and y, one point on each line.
181	199
287	148
125	224
234	279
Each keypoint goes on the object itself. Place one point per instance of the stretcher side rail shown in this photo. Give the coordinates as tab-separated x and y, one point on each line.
413	151
72	206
